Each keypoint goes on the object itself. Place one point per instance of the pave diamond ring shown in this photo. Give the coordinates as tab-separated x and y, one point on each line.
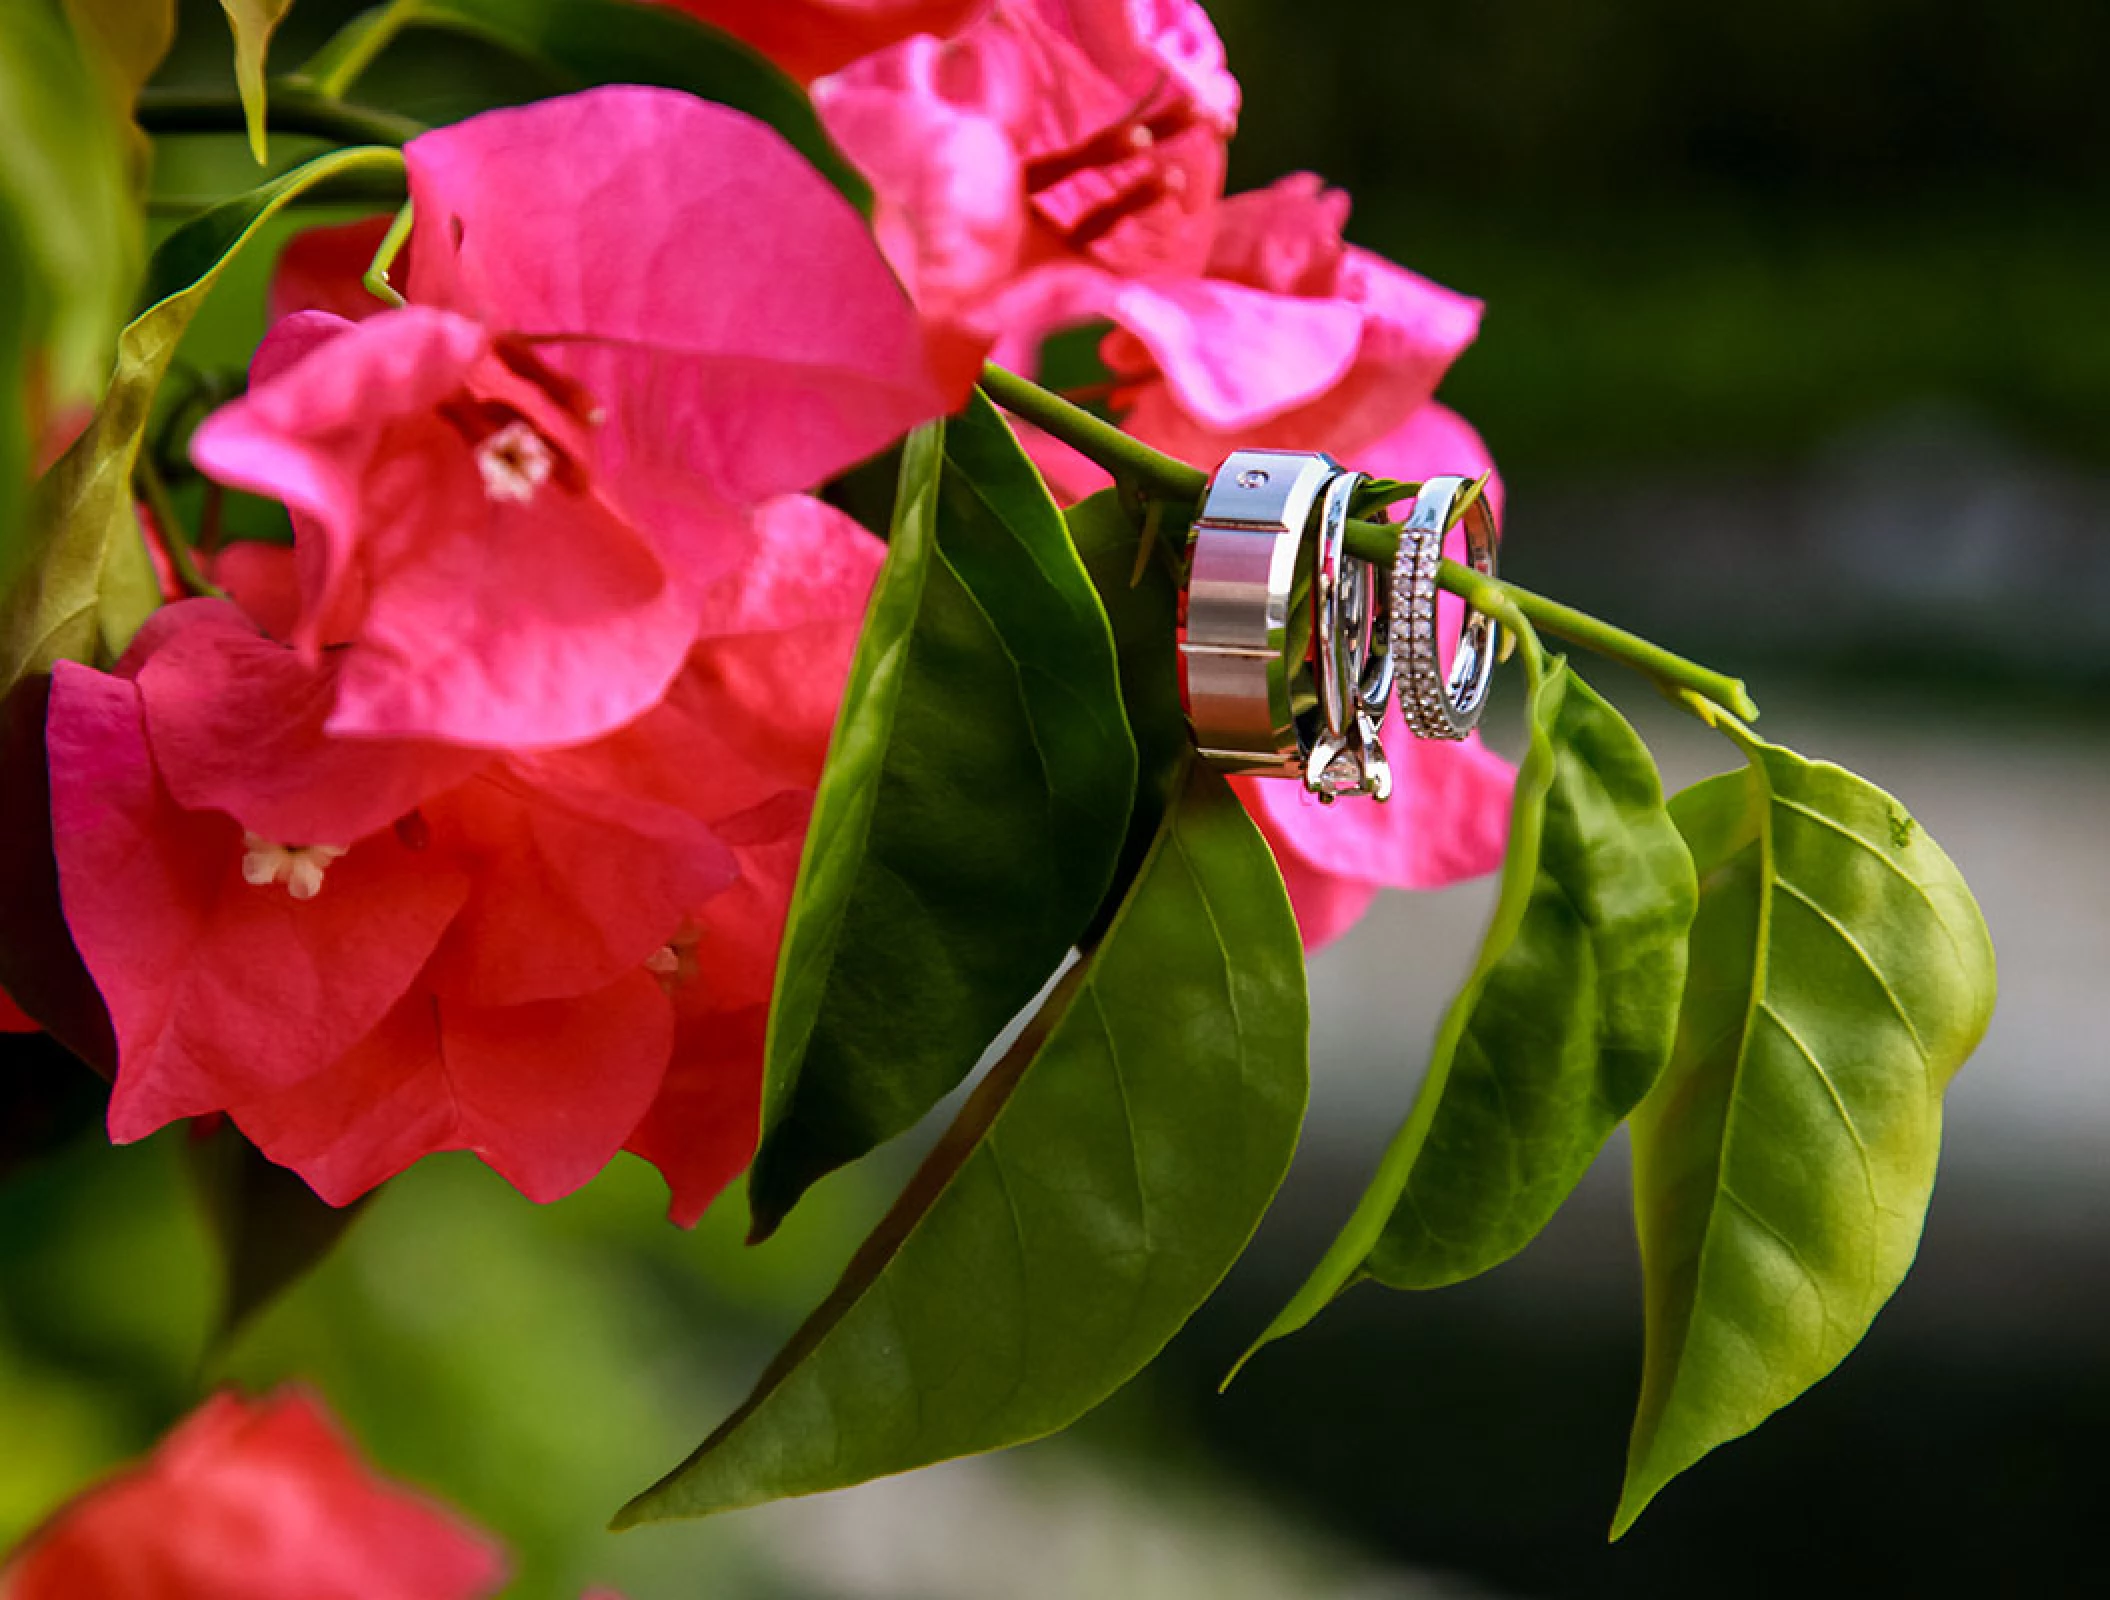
1439	705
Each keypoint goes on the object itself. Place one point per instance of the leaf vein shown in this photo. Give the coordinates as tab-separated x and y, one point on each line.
1846	1117
1846	937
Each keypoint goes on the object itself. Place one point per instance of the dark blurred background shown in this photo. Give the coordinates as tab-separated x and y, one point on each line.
1797	357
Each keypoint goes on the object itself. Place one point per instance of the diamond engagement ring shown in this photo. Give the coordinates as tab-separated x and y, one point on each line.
1350	654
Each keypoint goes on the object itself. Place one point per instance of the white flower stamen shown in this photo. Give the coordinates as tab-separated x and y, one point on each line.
664	962
514	462
300	867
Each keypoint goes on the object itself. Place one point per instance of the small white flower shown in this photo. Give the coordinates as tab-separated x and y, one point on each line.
300	867
515	462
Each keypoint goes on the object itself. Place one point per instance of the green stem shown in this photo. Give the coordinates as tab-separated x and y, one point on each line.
351	50
1673	673
1159	475
1152	471
146	478
293	109
376	279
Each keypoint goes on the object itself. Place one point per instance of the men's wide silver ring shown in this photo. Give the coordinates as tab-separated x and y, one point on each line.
1237	687
1436	704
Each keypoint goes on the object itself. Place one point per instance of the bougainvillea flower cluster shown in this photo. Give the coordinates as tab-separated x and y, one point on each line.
471	821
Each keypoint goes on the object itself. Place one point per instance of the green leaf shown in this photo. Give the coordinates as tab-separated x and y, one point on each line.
1142	608
270	1227
1088	1198
609	41
69	243
968	822
253	22
1563	1025
87	584
124	41
1840	974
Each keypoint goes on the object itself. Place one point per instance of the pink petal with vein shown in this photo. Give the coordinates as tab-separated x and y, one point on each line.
545	1094
218	989
494	620
573	885
692	241
236	724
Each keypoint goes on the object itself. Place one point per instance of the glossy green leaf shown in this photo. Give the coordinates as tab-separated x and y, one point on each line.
611	41
1563	1025
968	822
253	22
87	584
1090	1195
1840	974
1142	608
69	243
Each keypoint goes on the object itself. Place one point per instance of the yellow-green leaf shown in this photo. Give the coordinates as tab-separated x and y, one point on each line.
1840	973
253	22
69	243
1562	1027
86	584
125	40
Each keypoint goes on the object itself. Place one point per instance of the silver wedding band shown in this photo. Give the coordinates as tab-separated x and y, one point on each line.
1238	689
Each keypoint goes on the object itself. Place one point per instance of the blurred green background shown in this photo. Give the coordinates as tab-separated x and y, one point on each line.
1796	357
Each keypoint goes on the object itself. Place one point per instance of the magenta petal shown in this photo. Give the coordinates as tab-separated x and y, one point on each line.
702	1127
292	338
544	1093
260	578
811	563
514	620
1235	357
751	715
308	432
573	886
776	345
1448	817
218	989
951	214
506	626
236	725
